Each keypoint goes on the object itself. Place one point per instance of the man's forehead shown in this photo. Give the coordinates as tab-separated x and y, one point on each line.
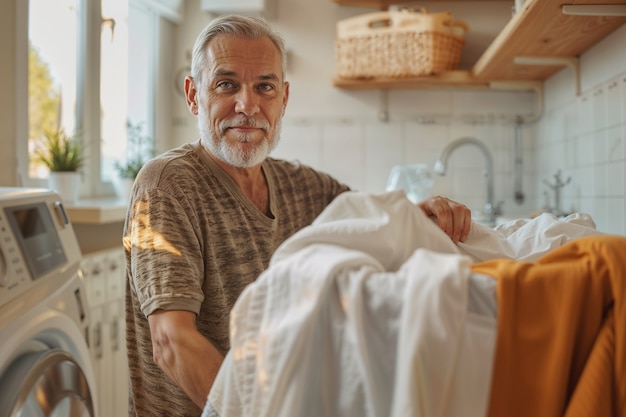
231	48
227	55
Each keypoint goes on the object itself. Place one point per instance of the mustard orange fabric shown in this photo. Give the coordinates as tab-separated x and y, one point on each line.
561	332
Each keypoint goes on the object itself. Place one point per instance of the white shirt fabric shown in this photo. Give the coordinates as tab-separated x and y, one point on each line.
526	239
370	312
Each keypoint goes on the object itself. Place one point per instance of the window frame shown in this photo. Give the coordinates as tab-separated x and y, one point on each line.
88	119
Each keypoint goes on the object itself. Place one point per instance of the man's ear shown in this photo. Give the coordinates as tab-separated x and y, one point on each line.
191	95
286	96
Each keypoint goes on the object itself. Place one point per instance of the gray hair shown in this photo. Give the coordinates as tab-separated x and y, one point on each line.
239	27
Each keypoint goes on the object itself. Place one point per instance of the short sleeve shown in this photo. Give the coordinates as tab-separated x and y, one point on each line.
166	261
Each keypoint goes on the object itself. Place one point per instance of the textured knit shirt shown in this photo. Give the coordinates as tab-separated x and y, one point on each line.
193	242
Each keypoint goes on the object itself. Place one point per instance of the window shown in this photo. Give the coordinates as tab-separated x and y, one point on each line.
52	65
114	68
91	72
140	73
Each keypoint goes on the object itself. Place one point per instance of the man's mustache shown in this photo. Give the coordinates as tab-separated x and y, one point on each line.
244	122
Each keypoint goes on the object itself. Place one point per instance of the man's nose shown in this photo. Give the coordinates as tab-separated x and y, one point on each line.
247	102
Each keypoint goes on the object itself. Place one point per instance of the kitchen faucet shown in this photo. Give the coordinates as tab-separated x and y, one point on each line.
490	210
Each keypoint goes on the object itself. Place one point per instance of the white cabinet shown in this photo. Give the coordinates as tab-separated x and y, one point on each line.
104	277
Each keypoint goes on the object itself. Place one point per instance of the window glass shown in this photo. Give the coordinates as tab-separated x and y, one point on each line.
52	63
142	69
121	97
125	152
113	84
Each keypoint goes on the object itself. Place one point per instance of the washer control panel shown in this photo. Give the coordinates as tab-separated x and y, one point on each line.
37	242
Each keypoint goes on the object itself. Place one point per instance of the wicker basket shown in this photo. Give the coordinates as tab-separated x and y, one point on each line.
398	44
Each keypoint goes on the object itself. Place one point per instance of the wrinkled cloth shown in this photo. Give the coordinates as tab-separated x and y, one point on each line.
561	348
365	313
526	239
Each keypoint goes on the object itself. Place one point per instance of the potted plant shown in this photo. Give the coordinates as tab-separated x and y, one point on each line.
62	154
140	149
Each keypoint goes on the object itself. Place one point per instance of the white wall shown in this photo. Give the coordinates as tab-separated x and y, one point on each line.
585	136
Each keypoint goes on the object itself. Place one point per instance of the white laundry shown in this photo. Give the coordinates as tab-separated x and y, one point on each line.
365	313
526	239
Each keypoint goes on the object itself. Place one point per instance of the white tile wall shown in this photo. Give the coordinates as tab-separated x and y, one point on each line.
583	137
361	153
590	132
343	151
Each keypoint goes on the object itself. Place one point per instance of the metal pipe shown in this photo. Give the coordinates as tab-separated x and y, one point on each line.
518	149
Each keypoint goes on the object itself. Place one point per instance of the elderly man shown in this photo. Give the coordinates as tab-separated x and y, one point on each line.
206	217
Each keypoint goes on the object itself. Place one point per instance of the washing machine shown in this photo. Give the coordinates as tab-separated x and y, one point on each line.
45	367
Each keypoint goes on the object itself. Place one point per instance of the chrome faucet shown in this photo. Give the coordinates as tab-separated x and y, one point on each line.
490	210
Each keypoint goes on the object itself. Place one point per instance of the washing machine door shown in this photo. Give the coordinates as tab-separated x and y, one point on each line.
45	384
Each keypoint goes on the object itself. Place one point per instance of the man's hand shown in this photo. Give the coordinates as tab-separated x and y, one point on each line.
453	218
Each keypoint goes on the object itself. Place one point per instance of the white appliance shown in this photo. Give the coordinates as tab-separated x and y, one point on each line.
45	367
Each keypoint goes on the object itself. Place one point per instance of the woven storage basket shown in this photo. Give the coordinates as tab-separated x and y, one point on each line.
398	44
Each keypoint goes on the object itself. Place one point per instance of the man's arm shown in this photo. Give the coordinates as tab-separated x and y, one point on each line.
187	357
453	218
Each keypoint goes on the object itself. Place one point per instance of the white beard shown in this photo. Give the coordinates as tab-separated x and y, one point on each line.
231	153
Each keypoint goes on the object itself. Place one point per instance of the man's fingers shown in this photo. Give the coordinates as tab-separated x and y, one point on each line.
453	218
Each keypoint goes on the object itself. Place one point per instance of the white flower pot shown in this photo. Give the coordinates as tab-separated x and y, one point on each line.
66	184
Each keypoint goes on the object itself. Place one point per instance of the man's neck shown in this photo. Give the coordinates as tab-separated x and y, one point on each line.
251	181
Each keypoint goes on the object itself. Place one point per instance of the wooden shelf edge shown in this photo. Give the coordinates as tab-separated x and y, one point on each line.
540	29
373	4
447	80
384	4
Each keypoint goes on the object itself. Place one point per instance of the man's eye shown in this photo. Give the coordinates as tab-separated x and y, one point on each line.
266	87
225	85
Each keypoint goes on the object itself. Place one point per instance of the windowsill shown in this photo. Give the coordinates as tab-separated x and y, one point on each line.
97	211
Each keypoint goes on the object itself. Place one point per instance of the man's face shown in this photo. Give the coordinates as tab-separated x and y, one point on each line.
241	100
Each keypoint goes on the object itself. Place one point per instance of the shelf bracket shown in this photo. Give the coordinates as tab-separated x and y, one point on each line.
383	111
536	86
594	9
571	62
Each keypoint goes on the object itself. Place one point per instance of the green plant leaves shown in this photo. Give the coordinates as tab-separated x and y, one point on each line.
60	151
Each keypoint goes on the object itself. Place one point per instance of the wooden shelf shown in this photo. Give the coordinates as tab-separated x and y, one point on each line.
377	4
539	29
447	80
383	4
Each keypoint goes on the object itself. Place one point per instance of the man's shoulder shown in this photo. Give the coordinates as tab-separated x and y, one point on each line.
174	155
173	159
165	170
